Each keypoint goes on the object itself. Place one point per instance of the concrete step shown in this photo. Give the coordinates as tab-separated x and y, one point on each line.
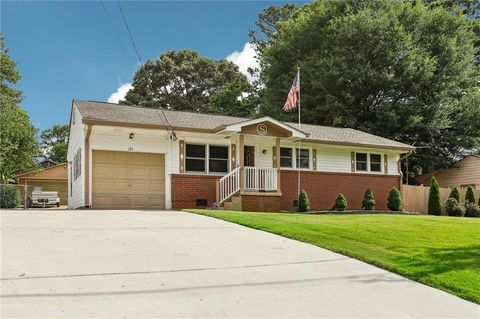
233	203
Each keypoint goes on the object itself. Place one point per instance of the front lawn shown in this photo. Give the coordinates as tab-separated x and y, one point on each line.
443	252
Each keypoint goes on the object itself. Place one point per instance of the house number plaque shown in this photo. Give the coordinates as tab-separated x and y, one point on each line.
262	129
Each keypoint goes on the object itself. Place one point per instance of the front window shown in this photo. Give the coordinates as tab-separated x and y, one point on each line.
375	163
361	161
195	158
218	159
286	157
303	158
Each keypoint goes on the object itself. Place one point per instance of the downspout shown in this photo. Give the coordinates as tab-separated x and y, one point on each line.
400	166
88	203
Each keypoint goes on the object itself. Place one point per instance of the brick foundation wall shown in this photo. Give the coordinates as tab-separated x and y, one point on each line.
257	203
323	188
187	188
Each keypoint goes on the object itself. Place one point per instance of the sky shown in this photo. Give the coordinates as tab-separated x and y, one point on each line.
77	50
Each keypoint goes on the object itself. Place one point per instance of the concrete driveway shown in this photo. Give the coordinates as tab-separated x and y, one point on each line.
140	264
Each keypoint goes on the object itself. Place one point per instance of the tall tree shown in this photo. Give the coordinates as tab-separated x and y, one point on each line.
394	69
470	8
266	31
54	142
183	80
234	100
18	143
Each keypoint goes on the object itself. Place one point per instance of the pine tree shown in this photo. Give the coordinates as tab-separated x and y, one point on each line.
469	196
434	201
455	194
368	200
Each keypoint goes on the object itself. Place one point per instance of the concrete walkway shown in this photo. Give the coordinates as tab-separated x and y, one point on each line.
140	264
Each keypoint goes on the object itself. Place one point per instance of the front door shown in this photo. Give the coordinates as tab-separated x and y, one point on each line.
249	155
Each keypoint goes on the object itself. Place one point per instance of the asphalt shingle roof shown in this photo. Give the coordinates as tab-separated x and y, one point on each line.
124	114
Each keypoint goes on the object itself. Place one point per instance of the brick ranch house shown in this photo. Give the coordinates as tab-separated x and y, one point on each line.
127	157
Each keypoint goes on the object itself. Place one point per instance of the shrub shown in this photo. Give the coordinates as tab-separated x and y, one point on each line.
469	196
394	201
9	196
472	210
454	208
340	203
455	194
368	200
434	201
303	202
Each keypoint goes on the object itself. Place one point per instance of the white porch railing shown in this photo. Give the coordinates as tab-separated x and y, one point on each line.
254	179
260	179
229	185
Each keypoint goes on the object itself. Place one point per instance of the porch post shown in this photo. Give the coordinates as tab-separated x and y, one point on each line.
277	160
217	191
241	159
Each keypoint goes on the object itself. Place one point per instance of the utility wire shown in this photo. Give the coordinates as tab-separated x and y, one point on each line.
173	136
114	28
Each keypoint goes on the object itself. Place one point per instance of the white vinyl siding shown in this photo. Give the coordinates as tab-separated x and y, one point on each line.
77	138
334	160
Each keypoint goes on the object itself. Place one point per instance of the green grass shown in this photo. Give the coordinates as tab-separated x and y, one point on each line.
443	252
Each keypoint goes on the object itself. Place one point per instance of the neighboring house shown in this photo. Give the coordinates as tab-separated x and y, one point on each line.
126	157
45	163
463	173
52	178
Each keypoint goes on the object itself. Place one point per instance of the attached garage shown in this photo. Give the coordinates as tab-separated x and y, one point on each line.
128	180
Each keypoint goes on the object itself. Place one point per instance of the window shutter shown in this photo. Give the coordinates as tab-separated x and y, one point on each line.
353	161
181	156
274	157
314	159
385	163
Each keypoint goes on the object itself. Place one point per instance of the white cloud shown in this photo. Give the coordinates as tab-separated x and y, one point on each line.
244	59
115	97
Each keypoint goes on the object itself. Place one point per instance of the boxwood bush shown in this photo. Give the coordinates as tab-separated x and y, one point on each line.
368	200
394	200
454	208
303	202
9	196
472	210
340	203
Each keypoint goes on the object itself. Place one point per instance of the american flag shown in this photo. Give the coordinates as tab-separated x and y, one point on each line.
293	96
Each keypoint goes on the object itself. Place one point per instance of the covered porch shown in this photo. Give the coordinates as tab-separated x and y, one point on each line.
257	170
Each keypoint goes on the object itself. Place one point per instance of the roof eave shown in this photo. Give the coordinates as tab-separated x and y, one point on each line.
399	148
237	127
140	125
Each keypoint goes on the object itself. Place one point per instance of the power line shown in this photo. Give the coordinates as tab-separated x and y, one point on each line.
129	33
172	136
114	28
323	88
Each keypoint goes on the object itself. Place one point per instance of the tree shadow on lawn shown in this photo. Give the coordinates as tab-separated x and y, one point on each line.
433	265
441	260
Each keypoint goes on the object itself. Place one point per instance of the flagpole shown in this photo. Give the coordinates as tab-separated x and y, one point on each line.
299	128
